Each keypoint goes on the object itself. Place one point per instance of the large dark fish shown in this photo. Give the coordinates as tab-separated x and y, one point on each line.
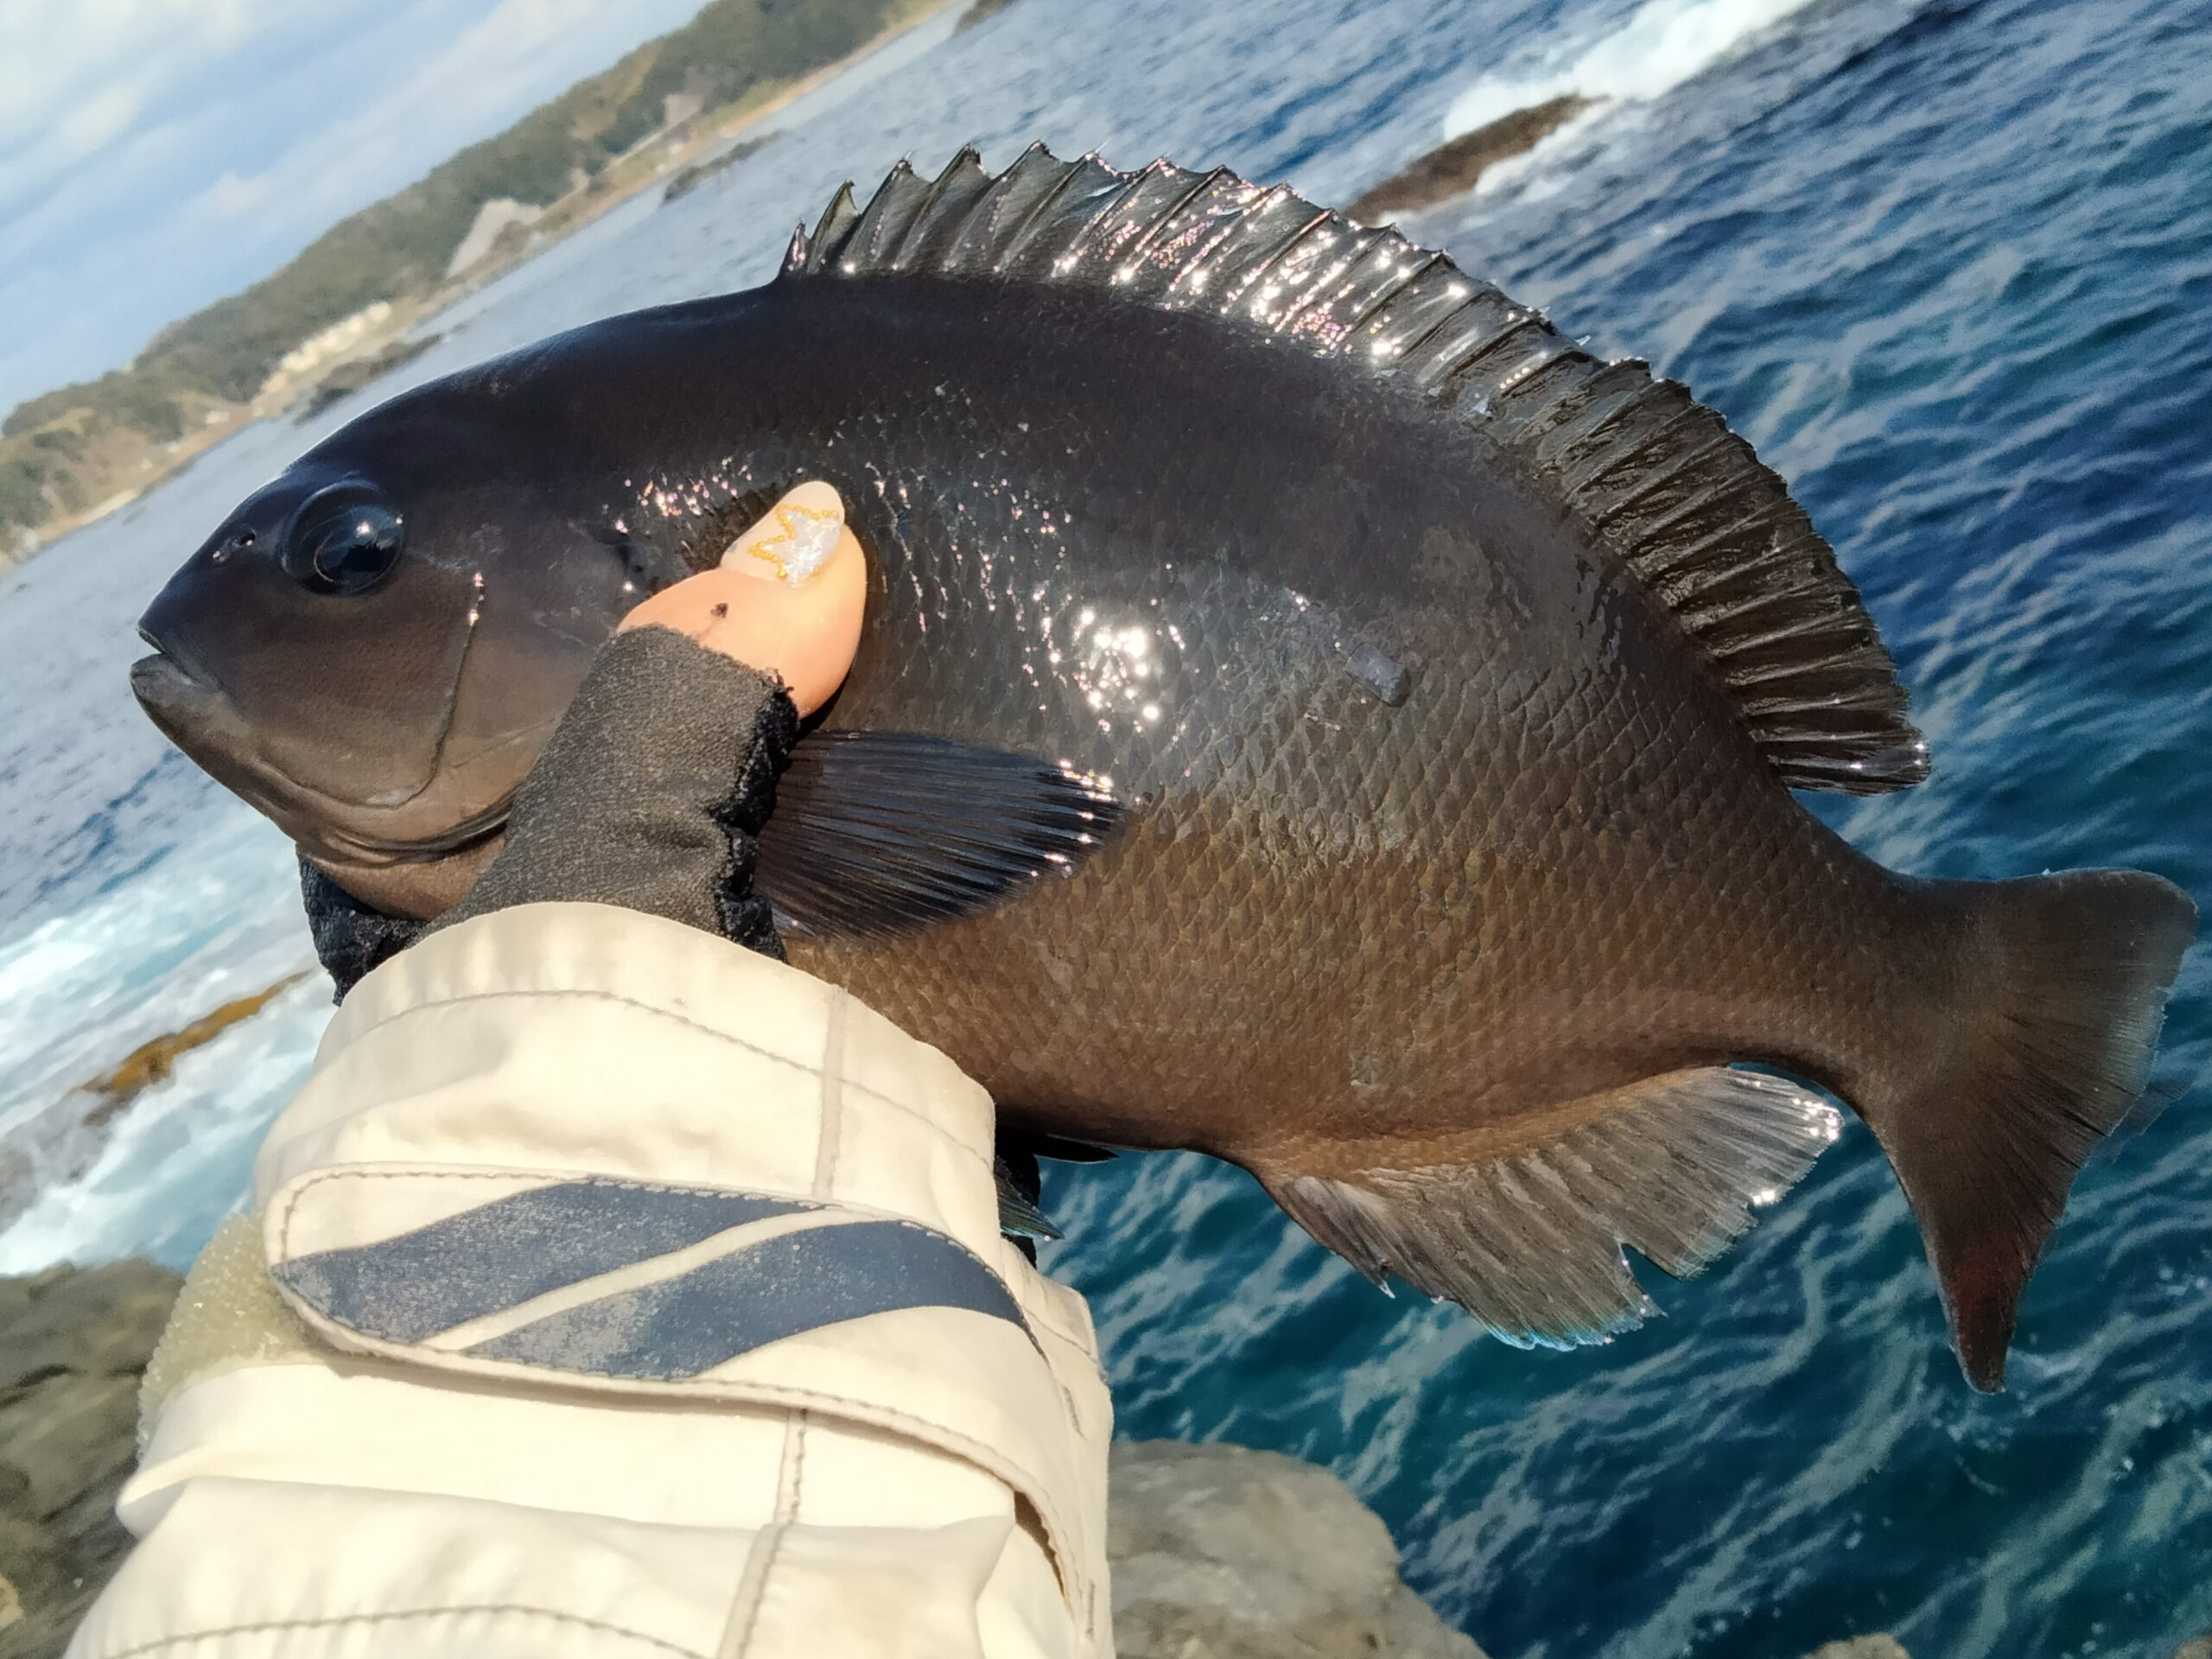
1451	684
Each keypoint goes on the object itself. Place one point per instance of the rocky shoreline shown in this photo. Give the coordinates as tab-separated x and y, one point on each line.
1218	1552
73	1344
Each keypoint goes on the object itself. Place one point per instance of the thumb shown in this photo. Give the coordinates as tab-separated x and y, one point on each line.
787	600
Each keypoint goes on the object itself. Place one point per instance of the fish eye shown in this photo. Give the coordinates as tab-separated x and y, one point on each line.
344	541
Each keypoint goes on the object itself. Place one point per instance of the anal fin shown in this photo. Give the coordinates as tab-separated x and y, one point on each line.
1529	1240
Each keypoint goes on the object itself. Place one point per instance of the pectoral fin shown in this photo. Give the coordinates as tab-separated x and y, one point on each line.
1529	1240
875	834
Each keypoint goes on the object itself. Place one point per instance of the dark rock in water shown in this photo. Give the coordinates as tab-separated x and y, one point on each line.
1452	168
151	1062
1219	1553
981	10
349	377
60	1145
73	1344
685	180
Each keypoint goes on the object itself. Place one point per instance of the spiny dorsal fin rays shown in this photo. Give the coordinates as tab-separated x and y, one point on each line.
813	254
1680	499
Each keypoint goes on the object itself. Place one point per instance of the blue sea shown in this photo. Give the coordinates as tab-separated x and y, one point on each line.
1948	262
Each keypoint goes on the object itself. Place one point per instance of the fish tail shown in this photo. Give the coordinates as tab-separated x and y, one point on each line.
2041	1050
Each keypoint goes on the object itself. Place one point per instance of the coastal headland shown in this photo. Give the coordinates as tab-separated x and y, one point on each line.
353	305
349	298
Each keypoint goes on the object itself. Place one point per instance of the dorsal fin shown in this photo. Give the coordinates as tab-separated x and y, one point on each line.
1657	477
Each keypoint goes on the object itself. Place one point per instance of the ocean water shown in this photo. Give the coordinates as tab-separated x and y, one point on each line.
1948	262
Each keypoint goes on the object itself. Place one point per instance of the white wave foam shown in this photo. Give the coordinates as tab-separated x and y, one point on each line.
1662	45
181	1157
215	918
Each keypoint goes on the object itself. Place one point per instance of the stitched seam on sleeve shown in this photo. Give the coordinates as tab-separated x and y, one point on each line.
753	1585
340	1620
717	1032
784	1531
831	1105
927	1431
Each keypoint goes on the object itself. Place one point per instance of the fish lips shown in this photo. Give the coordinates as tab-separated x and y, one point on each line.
190	710
197	715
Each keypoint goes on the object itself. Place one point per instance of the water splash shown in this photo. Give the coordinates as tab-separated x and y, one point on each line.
1665	43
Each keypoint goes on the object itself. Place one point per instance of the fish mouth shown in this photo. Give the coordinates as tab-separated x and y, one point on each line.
168	663
195	714
172	692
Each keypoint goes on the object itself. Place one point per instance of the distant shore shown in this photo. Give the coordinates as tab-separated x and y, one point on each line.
684	153
114	467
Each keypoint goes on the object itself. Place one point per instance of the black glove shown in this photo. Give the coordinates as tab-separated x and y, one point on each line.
649	795
350	938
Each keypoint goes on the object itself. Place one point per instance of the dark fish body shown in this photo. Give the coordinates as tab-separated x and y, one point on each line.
1456	866
1084	550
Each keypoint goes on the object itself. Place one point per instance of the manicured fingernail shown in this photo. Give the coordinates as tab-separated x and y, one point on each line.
795	540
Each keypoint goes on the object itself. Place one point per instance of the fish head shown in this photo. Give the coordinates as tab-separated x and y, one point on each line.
372	648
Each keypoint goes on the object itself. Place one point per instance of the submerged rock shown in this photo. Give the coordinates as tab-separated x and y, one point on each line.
349	377
685	180
978	12
1452	168
152	1062
62	1143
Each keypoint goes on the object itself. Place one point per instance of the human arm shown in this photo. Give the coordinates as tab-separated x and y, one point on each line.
613	1288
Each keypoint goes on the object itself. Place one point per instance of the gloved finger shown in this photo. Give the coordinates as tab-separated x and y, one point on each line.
787	600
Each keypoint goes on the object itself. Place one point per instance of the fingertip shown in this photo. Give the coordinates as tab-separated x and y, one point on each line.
817	496
806	631
824	625
794	539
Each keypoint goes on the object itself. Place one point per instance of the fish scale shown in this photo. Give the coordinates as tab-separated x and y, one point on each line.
1309	712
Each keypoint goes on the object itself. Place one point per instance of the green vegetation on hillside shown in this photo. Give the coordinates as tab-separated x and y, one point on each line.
59	453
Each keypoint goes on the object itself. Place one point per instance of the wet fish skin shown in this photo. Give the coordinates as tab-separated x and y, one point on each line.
1278	810
1408	964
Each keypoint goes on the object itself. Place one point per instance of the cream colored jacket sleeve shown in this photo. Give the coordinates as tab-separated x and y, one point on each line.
614	1291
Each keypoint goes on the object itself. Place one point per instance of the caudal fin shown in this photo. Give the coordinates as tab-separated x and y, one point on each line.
2047	1051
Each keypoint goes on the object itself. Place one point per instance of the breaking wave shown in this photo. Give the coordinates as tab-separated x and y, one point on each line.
213	917
1662	44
